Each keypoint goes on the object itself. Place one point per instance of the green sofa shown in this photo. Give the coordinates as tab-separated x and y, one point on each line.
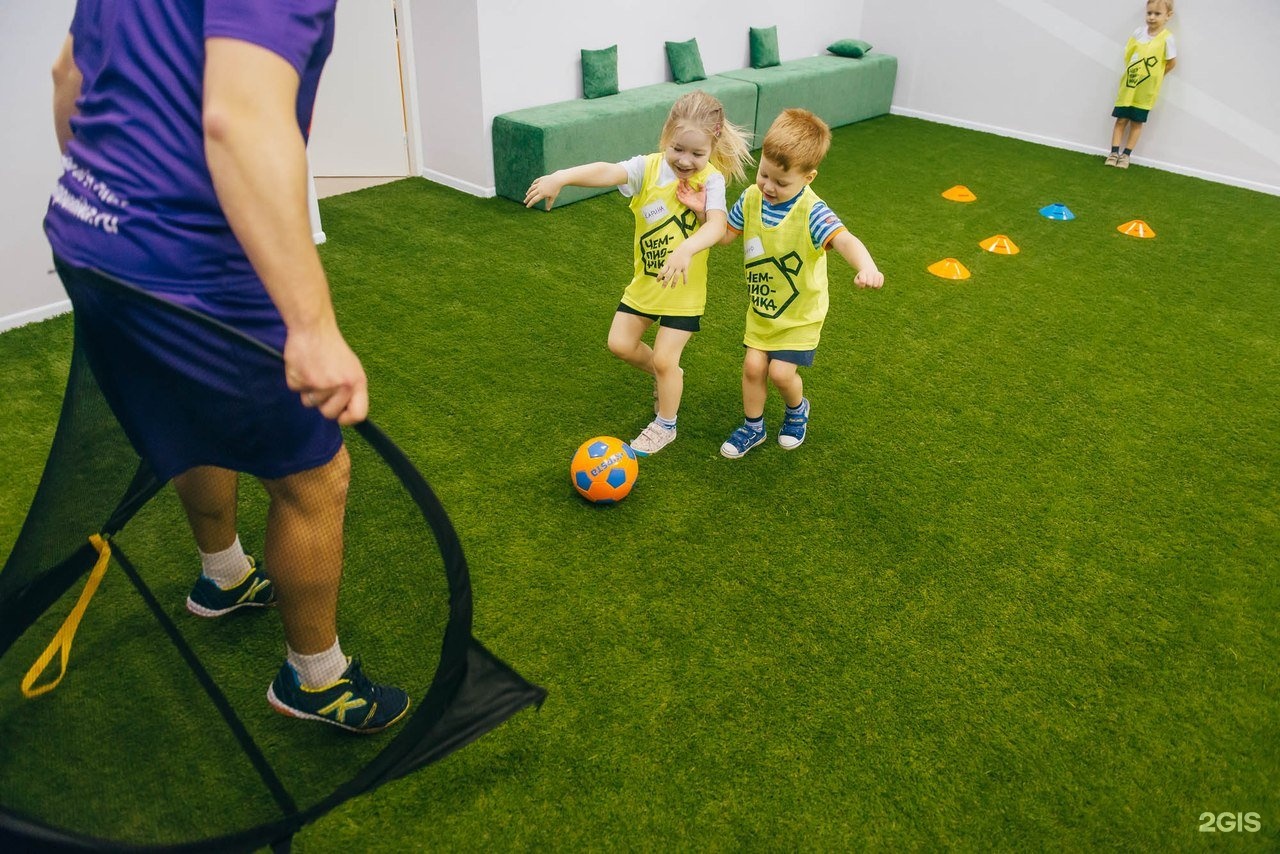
532	142
837	89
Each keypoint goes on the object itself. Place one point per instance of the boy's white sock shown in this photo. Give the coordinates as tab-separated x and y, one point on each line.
226	567
320	669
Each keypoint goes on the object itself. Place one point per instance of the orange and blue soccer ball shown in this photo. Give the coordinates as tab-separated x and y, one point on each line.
604	469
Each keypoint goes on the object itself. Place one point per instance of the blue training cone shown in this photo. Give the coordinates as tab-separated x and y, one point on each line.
1057	211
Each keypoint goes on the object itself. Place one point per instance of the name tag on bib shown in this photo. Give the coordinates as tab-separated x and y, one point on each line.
753	249
654	212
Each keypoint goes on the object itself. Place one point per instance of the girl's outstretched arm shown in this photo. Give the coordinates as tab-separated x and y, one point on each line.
587	175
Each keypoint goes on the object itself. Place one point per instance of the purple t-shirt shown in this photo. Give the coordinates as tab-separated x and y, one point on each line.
135	199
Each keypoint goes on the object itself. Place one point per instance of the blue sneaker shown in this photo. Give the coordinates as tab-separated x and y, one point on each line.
255	590
352	703
794	426
742	440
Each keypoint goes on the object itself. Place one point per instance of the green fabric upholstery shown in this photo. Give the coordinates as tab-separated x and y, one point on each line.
854	48
763	43
532	142
600	72
839	91
685	61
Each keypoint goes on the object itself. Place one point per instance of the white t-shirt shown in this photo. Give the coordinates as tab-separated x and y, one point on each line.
1170	47
635	177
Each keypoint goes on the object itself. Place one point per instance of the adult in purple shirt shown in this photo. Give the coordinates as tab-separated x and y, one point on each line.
183	132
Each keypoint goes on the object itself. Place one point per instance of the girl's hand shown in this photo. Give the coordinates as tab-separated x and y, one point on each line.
693	198
675	271
547	187
869	278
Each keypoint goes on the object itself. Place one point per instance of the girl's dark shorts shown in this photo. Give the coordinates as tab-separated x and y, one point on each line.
187	390
1133	114
672	321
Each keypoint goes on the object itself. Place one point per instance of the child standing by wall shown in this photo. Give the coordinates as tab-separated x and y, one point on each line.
786	232
1149	55
698	147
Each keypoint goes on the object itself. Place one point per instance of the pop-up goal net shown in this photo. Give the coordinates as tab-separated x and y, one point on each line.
128	722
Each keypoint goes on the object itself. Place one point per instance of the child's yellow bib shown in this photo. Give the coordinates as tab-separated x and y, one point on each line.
1144	72
786	276
662	224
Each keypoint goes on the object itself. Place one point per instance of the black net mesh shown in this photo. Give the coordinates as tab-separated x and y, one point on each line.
167	709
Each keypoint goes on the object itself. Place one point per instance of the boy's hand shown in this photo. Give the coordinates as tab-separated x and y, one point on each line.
675	271
693	198
870	278
547	187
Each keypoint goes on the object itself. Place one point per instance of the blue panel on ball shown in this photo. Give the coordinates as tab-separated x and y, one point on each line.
582	479
616	477
603	501
598	450
630	453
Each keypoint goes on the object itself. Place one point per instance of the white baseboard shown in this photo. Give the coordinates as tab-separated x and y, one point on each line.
458	184
1177	168
34	315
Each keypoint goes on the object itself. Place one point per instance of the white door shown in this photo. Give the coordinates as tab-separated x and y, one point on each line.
358	127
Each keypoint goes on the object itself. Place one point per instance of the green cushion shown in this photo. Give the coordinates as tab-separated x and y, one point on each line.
535	141
840	92
600	72
685	61
853	48
764	47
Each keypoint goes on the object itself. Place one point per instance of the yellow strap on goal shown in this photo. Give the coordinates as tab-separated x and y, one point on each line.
62	640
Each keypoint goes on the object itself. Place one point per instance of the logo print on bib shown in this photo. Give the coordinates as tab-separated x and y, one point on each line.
771	284
1139	71
657	243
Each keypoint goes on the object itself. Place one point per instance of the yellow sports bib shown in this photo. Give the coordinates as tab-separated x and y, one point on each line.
786	276
662	224
1144	72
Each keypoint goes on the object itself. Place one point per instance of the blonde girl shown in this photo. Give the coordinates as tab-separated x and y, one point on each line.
697	149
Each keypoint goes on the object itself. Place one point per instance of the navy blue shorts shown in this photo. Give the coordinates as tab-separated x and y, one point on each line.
188	392
800	358
674	321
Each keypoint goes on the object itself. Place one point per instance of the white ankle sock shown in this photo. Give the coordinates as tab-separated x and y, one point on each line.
320	669
225	567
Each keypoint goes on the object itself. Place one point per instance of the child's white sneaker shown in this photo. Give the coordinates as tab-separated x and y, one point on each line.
652	439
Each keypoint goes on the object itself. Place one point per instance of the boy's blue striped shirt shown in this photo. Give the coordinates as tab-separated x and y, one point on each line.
823	222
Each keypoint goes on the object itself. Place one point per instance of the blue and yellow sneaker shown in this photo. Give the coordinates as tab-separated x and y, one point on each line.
353	702
794	426
255	590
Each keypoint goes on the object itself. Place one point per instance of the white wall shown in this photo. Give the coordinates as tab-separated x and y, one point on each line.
501	55
358	124
31	34
446	86
1048	70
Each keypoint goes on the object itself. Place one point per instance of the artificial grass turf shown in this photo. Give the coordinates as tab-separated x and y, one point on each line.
1017	590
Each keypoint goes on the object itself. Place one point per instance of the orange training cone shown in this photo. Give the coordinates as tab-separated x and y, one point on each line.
959	193
1136	228
1000	244
949	268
